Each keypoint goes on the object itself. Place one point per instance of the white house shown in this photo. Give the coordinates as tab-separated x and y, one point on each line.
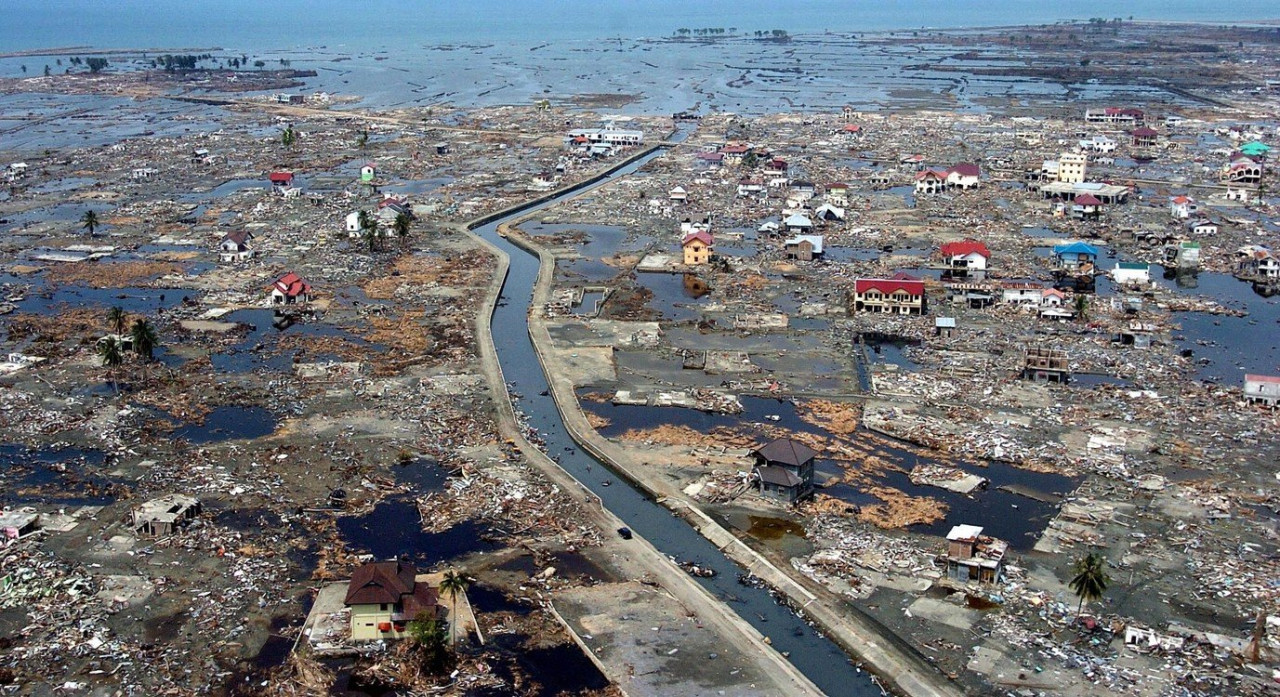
963	176
1021	293
969	255
931	181
798	223
1181	207
678	195
1098	143
1238	193
751	187
1202	227
353	223
1126	273
829	212
235	246
1262	389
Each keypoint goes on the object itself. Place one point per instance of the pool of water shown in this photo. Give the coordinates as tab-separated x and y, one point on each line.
393	529
673	299
228	423
63	476
1227	347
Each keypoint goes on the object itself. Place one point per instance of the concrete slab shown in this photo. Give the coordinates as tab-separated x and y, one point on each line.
943	612
650	644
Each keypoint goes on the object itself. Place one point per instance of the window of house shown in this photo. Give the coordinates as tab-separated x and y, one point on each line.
383	607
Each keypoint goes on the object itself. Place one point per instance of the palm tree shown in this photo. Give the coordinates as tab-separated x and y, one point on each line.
89	221
288	137
144	339
452	585
401	226
116	317
1090	580
112	356
1082	307
372	234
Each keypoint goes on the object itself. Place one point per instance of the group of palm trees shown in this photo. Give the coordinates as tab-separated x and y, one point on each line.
142	337
373	234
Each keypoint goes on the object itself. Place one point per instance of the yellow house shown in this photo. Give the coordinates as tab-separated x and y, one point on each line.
697	248
384	597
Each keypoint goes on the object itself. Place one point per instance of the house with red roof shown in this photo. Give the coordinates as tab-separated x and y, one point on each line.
1144	137
384	597
931	181
966	255
963	176
901	295
1262	389
697	248
1181	207
290	289
1086	207
281	179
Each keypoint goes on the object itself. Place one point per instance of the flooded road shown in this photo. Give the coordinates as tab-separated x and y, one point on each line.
817	657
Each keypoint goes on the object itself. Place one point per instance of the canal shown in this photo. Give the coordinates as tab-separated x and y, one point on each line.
821	660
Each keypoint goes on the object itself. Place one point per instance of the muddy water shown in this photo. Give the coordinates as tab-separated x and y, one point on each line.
814	655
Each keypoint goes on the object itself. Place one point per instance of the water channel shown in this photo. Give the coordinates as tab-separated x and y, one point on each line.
820	659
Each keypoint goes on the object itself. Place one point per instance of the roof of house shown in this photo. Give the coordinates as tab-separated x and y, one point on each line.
966	169
1075	248
1053	293
931	173
1197	222
1132	266
1180	199
780	476
797	220
889	285
1086	200
945	322
380	582
1271	379
815	240
837	185
964	248
701	235
1145	132
1254	148
280	177
965	532
852	128
292	285
787	452
238	236
711	156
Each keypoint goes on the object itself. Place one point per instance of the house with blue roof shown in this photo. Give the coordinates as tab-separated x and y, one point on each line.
1076	256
